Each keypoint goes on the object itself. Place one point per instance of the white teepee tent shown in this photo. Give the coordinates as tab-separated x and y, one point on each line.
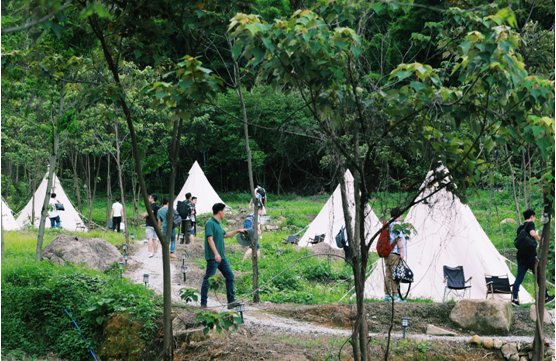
447	233
8	220
69	218
198	185
330	219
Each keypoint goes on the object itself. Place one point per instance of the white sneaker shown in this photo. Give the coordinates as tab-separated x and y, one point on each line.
151	255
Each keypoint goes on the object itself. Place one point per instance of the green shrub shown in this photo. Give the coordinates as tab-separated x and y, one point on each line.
34	297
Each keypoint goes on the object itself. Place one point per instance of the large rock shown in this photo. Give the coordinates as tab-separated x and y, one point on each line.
509	350
533	315
93	253
185	329
483	316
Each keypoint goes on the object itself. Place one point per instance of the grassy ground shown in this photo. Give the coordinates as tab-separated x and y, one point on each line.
285	274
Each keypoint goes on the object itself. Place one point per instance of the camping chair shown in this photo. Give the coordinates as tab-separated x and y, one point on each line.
318	239
455	281
498	284
80	227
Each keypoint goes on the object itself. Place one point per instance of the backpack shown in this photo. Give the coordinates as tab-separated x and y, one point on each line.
248	222
184	209
261	191
177	219
341	241
383	246
525	244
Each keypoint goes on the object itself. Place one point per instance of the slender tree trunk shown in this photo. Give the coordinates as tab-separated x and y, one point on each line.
108	188
113	68
541	269
88	182
90	215
121	182
76	180
51	168
254	241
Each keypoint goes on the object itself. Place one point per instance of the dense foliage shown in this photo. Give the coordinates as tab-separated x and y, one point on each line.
36	295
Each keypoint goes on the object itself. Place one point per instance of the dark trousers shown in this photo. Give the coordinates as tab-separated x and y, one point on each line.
226	271
116	221
185	230
524	265
55	222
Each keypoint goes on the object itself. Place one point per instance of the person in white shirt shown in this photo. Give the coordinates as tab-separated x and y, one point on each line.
53	214
116	214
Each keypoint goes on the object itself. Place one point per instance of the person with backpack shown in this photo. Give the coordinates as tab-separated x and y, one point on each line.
163	224
215	254
526	244
184	209
53	214
260	194
248	224
398	242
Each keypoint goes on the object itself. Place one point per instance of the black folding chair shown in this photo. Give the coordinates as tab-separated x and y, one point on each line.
498	285
318	239
455	281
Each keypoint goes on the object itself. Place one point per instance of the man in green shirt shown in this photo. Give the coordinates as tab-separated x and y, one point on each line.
215	255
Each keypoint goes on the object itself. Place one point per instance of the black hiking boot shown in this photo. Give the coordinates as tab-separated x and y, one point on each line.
515	303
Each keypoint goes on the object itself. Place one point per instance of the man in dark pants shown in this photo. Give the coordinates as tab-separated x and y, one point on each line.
215	254
527	261
186	221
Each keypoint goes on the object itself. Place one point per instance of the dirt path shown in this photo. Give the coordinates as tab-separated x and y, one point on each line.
254	316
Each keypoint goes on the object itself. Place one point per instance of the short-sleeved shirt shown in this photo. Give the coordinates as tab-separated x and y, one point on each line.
397	234
162	215
154	207
52	211
117	209
529	226
214	229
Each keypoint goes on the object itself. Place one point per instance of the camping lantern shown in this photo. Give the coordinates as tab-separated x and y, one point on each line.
146	280
405	324
125	259
183	255
124	247
132	236
239	307
184	272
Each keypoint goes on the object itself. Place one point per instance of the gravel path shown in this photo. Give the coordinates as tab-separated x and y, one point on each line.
253	316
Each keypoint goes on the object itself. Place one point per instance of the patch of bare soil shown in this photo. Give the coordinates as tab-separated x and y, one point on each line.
379	314
254	343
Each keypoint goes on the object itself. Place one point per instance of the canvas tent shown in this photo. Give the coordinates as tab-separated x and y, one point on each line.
330	219
8	220
447	233
198	185
70	219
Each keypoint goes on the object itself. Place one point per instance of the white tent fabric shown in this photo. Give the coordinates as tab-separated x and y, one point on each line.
198	185
8	220
330	219
69	217
447	233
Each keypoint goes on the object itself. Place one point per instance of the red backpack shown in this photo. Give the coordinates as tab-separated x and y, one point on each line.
383	246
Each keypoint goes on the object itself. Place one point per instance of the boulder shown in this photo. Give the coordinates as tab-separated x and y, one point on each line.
508	221
533	315
185	329
498	344
488	343
93	253
509	350
476	340
483	316
438	331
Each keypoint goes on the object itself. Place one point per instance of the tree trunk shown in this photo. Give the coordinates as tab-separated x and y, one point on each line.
254	241
76	180
88	182
167	318
121	183
108	188
51	168
90	216
541	269
359	336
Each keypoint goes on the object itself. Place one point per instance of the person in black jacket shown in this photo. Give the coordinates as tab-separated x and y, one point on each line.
152	239
527	258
